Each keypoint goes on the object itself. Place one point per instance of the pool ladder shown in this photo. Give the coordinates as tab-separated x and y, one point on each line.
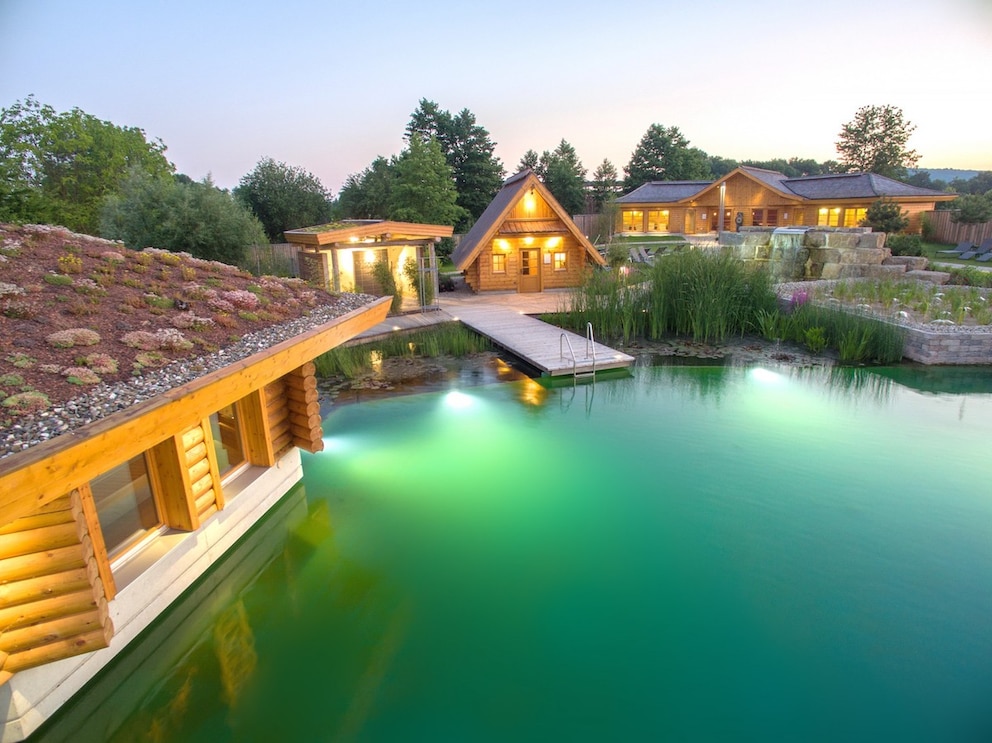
590	352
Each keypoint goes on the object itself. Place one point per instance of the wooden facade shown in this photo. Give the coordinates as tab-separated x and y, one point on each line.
524	242
341	256
57	576
763	198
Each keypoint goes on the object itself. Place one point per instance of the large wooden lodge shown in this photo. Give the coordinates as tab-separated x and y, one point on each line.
189	471
754	197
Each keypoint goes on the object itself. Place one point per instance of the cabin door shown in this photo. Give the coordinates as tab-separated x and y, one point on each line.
530	270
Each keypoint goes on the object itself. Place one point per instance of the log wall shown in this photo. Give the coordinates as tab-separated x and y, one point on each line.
53	595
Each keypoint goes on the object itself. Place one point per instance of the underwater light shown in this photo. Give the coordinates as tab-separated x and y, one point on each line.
765	375
458	400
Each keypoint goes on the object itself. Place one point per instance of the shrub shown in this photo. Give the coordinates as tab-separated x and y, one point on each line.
21	360
189	321
70	264
100	363
73	337
387	284
57	279
241	299
11	380
80	375
27	402
905	244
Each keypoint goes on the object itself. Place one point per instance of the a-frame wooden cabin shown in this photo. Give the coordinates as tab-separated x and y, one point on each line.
524	242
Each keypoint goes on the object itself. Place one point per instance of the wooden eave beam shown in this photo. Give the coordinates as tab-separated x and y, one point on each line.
32	478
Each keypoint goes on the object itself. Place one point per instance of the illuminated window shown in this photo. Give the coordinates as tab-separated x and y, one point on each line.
633	220
228	439
658	221
771	219
828	217
854	217
560	261
499	263
125	505
757	217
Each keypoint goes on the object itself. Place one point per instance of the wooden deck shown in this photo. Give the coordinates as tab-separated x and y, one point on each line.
539	344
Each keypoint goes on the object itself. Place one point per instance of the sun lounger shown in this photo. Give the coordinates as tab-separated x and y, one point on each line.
962	247
985	257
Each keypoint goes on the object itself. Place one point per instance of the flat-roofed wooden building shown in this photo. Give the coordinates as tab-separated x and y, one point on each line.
104	526
524	242
767	198
341	256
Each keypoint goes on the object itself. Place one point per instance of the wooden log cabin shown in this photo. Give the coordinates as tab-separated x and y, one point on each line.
341	256
102	527
767	198
524	242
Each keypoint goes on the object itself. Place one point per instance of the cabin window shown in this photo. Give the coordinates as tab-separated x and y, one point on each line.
499	263
125	505
658	221
561	261
633	221
228	439
828	217
771	219
757	217
854	217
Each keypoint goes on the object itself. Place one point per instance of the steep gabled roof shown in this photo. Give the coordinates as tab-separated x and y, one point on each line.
495	219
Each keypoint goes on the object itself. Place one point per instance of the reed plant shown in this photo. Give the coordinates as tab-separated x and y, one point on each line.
857	338
446	339
705	296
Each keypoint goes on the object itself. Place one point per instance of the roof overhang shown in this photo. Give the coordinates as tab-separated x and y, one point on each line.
361	230
36	476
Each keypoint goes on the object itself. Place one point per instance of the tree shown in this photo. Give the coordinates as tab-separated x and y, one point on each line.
423	189
886	216
563	174
663	154
367	195
531	160
468	150
875	142
978	184
720	166
61	166
972	208
605	183
181	215
283	197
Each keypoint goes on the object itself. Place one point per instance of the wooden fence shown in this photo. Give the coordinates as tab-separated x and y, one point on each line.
946	231
279	259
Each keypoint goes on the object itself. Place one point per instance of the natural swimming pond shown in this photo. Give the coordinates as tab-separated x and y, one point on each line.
712	553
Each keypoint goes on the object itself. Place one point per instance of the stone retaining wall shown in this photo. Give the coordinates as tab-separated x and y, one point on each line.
961	346
811	253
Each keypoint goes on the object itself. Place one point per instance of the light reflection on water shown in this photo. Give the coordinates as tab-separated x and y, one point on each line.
713	553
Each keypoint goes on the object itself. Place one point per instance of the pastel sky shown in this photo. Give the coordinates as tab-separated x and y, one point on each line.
328	86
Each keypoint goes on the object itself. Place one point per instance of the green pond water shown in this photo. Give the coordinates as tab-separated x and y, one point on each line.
687	554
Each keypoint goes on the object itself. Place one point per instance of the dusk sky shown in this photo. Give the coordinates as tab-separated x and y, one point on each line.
328	86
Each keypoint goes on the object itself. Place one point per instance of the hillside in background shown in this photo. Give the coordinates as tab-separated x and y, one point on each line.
945	174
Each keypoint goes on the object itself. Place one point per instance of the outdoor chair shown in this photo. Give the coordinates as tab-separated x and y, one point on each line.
962	247
985	256
984	249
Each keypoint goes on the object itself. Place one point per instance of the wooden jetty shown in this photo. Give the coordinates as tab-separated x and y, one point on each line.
554	351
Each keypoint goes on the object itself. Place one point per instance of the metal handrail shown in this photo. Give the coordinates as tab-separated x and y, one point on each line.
561	351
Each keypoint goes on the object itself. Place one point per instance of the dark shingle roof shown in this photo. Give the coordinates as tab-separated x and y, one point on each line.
663	192
853	186
507	194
